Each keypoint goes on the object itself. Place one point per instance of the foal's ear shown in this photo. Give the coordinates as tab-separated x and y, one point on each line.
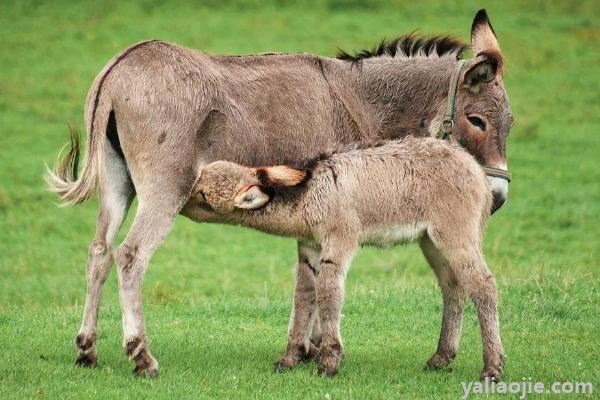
251	198
281	175
481	70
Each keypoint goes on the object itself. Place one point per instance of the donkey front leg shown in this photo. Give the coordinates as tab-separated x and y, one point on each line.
300	346
335	260
151	224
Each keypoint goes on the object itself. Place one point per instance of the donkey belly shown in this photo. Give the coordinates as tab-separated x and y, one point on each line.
387	236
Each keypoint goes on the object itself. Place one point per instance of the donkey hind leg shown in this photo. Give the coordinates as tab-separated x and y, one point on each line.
116	195
471	273
335	261
153	220
300	346
453	300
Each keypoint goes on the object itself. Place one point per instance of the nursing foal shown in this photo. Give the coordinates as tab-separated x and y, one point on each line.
423	190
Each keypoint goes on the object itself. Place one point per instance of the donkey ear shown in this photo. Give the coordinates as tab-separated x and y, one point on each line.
251	198
483	37
483	69
281	175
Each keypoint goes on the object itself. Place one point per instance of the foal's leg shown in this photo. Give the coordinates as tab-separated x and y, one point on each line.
484	294
116	194
468	267
314	328
335	259
453	299
300	346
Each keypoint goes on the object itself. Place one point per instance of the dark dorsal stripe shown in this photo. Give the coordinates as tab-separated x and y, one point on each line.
410	45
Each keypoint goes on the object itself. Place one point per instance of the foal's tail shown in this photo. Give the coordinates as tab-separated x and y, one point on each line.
63	179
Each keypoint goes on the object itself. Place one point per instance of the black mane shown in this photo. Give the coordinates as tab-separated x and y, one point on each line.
410	45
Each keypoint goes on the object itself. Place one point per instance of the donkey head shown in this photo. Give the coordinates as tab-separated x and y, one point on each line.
483	114
225	186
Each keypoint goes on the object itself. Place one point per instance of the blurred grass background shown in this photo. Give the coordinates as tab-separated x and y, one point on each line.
218	298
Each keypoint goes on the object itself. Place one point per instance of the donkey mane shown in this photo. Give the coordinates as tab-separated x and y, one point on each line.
411	45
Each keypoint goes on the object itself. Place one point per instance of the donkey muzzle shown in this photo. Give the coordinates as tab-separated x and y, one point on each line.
499	190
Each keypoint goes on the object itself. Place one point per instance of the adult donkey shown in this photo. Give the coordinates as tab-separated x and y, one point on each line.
157	113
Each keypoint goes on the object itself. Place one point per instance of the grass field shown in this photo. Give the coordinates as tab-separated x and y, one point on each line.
217	298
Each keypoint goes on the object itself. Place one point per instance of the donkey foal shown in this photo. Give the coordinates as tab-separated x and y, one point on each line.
421	190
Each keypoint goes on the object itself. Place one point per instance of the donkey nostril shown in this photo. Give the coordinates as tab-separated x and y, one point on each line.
499	200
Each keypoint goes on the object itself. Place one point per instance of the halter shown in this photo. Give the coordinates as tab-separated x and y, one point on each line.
447	126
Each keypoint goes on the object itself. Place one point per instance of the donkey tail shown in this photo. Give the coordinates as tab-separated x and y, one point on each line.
63	179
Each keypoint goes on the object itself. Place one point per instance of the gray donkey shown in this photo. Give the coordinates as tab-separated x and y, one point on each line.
158	112
406	190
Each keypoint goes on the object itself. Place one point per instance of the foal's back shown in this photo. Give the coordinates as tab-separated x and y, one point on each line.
399	190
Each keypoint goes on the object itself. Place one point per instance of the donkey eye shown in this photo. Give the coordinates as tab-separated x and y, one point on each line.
477	122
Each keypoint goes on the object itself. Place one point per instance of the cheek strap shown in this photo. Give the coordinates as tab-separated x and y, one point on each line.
445	130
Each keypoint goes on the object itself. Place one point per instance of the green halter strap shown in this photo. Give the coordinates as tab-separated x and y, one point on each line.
447	126
445	131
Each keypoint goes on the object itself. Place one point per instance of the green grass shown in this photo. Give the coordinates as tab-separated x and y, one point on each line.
218	298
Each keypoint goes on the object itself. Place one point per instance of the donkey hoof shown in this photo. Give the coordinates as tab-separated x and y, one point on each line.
281	367
491	374
151	372
286	363
146	366
327	371
86	360
438	361
293	358
329	360
87	356
84	342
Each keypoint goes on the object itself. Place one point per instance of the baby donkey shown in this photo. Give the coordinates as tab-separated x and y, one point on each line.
402	191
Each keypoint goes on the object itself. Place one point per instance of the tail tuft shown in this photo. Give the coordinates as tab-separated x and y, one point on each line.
63	178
